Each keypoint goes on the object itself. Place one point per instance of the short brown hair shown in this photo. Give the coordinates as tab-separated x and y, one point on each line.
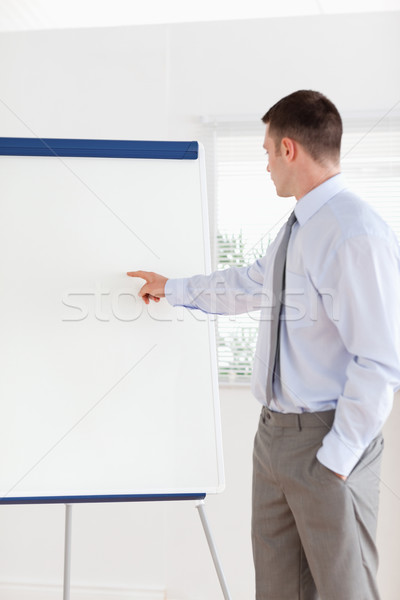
309	118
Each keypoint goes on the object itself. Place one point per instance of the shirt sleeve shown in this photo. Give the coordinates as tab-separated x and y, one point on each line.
232	291
364	277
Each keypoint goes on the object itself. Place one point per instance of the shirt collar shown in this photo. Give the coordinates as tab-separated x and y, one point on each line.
309	204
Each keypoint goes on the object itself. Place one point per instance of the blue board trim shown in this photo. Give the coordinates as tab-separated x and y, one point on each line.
98	148
110	498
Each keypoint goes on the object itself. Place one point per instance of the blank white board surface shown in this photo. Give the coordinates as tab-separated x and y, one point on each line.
101	396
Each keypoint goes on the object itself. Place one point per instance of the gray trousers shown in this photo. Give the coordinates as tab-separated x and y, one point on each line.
313	534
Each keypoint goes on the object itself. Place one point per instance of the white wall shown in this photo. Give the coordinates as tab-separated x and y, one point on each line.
154	83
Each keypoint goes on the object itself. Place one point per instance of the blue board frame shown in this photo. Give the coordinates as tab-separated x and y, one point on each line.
98	148
10	146
98	499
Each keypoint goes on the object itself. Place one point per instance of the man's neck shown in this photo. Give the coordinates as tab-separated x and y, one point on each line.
314	180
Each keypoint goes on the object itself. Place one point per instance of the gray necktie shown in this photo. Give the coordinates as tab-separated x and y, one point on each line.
278	286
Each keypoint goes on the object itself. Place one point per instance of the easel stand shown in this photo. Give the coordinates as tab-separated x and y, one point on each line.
67	552
213	550
207	531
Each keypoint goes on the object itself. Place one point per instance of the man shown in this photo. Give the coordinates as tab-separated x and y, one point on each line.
326	364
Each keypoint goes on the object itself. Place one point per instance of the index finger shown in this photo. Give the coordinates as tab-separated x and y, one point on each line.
141	274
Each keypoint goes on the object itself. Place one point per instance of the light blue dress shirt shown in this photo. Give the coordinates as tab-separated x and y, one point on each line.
340	328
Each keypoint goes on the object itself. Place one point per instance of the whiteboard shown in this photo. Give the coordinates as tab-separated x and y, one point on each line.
102	397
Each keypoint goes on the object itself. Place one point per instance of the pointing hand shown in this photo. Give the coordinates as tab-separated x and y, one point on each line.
154	286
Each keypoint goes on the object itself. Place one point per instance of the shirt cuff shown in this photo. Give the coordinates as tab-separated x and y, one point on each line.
176	292
337	455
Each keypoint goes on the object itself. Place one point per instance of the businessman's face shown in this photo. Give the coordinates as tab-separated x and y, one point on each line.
278	166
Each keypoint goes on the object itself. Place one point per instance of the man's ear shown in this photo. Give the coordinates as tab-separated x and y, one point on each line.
288	148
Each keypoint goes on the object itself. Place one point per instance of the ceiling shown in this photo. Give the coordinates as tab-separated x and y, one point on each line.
24	15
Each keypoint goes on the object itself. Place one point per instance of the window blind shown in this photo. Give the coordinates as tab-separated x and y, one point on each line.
246	213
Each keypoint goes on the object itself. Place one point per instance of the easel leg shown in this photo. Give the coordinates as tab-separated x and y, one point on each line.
67	552
213	550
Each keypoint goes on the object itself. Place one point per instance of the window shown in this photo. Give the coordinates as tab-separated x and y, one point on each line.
246	213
